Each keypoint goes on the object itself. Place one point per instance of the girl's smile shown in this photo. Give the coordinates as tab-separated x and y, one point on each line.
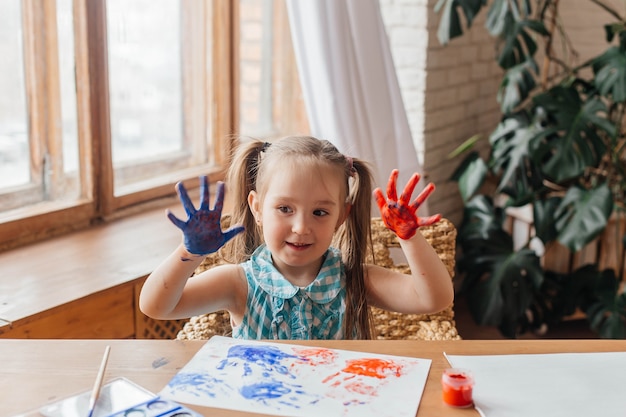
299	246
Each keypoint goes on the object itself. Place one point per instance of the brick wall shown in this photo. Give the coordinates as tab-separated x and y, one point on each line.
449	91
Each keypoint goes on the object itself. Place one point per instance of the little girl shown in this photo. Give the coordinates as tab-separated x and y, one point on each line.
299	271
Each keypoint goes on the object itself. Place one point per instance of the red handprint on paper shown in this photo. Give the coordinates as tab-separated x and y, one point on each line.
399	214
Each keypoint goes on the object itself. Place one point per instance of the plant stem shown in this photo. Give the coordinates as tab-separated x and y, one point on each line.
548	50
608	9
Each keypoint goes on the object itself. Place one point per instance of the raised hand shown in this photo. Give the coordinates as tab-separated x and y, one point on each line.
203	231
399	215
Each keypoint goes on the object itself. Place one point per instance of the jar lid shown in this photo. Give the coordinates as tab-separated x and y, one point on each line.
457	378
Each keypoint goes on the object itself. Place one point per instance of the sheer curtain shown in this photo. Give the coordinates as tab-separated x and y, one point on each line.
350	86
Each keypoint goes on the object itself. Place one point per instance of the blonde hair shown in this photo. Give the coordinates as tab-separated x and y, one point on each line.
250	170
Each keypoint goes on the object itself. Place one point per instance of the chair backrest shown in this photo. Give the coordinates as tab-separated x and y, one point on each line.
391	325
386	324
441	236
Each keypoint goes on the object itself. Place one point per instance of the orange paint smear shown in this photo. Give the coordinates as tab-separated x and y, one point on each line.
360	388
377	368
318	356
325	380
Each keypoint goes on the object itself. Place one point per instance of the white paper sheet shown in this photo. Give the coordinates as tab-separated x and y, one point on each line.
291	380
554	385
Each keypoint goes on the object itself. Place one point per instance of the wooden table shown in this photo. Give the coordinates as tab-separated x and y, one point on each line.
34	372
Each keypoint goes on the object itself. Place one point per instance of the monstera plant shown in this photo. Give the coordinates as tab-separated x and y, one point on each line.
560	146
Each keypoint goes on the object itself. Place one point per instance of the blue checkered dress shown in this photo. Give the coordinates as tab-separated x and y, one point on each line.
279	310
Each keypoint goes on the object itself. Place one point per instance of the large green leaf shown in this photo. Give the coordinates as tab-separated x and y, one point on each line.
563	294
543	218
582	215
608	314
503	297
450	23
610	71
480	219
511	143
500	9
482	239
520	45
512	25
516	86
579	125
560	104
480	256
579	289
470	175
527	185
509	20
615	29
495	22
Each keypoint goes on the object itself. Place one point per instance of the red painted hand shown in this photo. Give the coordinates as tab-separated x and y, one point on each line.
399	215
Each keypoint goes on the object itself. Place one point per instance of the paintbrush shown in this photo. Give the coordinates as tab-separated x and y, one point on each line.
97	387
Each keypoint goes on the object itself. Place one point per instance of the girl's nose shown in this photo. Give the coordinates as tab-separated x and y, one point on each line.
300	225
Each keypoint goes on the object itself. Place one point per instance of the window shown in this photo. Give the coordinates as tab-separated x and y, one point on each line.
270	102
107	103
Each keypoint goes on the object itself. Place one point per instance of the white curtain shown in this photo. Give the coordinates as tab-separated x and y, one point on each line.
350	85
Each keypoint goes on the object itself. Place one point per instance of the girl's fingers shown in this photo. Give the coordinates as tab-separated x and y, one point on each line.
232	232
392	194
177	222
184	198
427	221
204	193
405	197
219	197
422	196
380	199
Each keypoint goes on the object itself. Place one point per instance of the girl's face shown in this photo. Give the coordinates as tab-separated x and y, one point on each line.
302	206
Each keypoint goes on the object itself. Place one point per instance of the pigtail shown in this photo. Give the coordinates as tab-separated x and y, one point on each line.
354	240
241	179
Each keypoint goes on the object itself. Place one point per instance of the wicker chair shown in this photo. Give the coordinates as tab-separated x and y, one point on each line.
386	324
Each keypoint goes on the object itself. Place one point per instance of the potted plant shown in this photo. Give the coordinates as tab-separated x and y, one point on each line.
560	146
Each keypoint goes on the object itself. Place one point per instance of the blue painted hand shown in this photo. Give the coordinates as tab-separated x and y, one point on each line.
203	231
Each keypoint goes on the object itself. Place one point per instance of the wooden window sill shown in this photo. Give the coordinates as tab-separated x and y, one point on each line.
54	287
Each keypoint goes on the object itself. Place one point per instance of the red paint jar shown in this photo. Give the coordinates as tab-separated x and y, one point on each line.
457	386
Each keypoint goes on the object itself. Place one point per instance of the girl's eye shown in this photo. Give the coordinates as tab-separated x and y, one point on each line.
284	209
320	213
